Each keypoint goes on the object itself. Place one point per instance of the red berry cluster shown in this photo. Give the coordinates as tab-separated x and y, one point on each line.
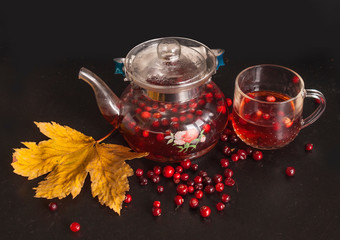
189	180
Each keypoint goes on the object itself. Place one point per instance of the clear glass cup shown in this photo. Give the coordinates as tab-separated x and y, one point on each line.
268	104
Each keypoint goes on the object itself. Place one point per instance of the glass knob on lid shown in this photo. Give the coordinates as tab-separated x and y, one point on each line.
170	65
169	50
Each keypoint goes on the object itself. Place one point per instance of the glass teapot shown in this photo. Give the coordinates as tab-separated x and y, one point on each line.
171	109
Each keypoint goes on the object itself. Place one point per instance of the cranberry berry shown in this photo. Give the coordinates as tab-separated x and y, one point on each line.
182	189
217	178
157	170
220	206
225	198
198	194
53	206
157	204
156	211
224	162
143	181
290	171
228	172
168	171
219	187
184	177
229	182
139	172
194	167
128	198
209	189
242	154
205	211
179	169
75	227
227	150
155	178
193	203
186	164
178	200
160	189
309	147
235	157
257	155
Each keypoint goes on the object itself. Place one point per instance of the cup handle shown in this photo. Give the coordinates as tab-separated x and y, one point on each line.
318	111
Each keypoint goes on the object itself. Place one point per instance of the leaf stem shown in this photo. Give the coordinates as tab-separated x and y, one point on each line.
108	135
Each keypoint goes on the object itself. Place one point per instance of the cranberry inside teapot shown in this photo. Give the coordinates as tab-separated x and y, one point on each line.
173	131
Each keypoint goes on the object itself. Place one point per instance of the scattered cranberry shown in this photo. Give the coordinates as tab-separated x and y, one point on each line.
198	179
228	172
198	194
224	162
225	198
184	177
198	186
209	189
179	200
143	181
168	171
202	173
179	169
242	154
194	167
224	137
157	170
229	182
52	206
220	206
193	203
227	150
160	189
217	178
75	227
155	178
205	211
176	181
139	172
290	171
257	155
191	189
150	173
182	189
176	175
128	198
207	180
233	138
234	157
309	147
190	182
249	151
157	204
160	136
186	164
156	211
219	187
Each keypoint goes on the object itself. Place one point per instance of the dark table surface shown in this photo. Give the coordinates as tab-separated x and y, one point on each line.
41	52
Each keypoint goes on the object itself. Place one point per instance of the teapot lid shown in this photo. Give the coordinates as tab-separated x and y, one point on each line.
170	64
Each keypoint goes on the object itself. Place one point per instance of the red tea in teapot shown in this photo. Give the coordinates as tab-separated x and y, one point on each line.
265	120
174	130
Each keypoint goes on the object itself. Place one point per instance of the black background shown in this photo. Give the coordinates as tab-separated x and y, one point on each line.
43	46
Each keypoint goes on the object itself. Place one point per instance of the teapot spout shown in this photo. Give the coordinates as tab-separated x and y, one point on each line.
108	102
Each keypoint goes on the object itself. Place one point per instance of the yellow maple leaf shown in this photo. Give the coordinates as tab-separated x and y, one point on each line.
68	156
